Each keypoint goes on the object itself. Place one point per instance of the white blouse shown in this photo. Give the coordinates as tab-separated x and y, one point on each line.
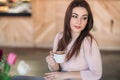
88	62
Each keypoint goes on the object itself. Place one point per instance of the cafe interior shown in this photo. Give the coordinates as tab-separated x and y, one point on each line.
28	29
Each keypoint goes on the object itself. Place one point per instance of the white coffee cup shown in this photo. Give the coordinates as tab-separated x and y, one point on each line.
59	58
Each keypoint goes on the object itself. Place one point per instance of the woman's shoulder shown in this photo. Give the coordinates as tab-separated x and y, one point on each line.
59	35
89	40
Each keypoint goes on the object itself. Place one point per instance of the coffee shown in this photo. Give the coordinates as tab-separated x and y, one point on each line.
60	52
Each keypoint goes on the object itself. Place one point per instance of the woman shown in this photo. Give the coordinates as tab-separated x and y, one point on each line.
83	60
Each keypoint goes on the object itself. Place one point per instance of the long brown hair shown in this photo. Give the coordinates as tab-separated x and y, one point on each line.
66	38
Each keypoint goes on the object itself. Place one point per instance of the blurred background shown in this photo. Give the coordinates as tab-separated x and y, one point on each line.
31	37
15	7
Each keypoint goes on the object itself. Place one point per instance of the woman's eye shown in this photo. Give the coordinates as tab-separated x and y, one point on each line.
74	16
84	18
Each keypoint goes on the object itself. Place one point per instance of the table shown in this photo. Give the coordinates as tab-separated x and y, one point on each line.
28	78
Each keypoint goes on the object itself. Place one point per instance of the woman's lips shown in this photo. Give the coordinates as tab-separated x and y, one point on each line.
77	27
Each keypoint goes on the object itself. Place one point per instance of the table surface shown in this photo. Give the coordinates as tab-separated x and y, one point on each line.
28	78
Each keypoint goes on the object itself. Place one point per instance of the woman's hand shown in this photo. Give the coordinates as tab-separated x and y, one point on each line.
51	62
75	75
55	76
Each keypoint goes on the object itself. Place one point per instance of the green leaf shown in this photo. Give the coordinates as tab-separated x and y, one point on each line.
1	76
0	63
6	67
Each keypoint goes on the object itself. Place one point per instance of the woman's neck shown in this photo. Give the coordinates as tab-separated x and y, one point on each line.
75	35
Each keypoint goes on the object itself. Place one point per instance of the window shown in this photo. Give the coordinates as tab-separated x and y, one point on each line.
15	8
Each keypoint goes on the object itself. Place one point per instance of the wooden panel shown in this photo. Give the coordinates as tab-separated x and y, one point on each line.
44	23
48	17
16	32
106	23
61	7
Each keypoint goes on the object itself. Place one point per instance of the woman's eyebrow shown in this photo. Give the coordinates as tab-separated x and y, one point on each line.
85	15
82	15
75	13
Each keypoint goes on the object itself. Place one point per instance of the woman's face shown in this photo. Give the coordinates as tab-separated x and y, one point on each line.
78	19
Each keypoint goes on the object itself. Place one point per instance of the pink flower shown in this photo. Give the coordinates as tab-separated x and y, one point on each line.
11	59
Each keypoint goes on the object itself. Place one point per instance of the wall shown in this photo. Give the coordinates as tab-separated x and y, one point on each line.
47	19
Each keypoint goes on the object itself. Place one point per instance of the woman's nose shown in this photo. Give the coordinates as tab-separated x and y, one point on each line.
78	21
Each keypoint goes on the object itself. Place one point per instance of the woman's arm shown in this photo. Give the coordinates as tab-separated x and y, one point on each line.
52	65
63	75
72	75
93	58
